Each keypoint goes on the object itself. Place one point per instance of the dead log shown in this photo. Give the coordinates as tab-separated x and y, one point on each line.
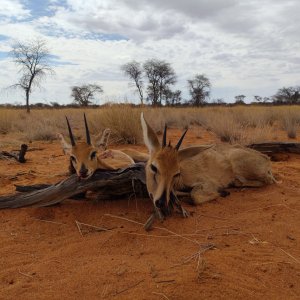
276	147
108	184
30	188
18	155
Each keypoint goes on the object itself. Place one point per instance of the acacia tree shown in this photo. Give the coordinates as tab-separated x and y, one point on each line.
199	88
290	95
240	99
32	58
134	71
83	95
160	75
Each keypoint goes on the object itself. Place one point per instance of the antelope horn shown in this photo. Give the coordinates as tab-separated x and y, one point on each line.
88	137
70	133
164	140
180	140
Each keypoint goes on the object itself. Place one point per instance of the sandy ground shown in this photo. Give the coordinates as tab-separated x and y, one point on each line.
244	246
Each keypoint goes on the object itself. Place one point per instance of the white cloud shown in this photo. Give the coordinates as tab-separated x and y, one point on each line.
250	47
13	9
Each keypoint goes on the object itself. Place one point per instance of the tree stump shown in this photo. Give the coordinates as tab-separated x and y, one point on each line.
17	155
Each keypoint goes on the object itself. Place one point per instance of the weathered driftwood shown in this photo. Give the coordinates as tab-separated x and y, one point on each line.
18	155
276	147
109	184
31	188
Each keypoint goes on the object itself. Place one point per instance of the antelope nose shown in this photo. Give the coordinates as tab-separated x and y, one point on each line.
161	202
83	170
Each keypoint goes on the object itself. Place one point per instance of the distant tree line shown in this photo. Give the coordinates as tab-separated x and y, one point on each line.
153	81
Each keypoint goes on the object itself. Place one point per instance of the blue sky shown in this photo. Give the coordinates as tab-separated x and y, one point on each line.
248	47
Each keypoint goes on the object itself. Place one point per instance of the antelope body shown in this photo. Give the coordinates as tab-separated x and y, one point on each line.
85	158
204	171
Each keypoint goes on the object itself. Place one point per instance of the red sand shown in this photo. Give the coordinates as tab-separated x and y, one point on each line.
255	234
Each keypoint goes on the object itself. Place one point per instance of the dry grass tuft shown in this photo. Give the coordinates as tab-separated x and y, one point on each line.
224	126
6	124
260	134
123	120
290	122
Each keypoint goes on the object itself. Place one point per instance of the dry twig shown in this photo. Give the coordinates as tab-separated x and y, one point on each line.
161	294
53	222
96	228
78	226
128	288
27	275
156	227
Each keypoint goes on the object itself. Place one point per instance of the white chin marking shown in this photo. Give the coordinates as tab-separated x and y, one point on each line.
85	177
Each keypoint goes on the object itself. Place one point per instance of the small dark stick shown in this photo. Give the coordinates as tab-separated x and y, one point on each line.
17	155
22	153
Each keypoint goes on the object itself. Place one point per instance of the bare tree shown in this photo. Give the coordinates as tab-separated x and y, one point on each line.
32	58
134	71
83	95
258	98
199	88
290	95
160	75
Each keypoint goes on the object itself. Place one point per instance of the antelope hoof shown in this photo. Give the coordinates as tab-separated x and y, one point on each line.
185	213
159	214
156	214
224	193
150	221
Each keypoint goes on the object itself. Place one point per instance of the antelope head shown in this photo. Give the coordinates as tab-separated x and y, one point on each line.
163	171
83	156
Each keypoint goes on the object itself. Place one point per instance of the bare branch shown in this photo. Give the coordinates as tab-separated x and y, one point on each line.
32	59
134	71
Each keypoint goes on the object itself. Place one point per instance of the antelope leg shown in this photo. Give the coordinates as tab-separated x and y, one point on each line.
156	214
183	194
184	212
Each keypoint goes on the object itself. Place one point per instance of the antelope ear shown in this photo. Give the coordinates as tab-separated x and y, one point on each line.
192	151
150	138
65	146
102	140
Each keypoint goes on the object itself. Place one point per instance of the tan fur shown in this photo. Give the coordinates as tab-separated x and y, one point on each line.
136	155
116	158
80	154
204	170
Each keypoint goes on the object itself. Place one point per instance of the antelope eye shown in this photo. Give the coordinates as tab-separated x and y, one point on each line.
177	175
153	168
73	159
93	155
